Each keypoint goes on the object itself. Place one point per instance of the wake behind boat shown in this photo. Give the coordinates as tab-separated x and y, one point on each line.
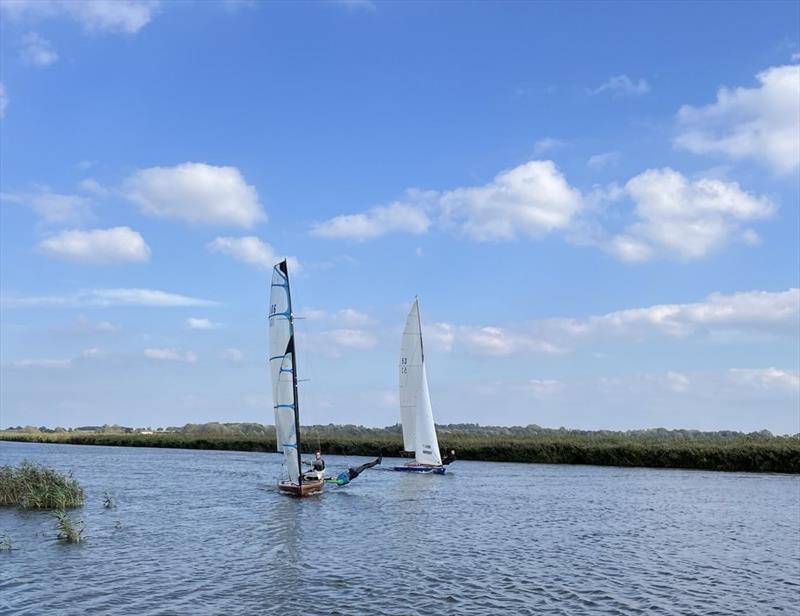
416	414
283	370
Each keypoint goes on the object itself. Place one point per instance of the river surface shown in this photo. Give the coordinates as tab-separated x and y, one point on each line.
206	532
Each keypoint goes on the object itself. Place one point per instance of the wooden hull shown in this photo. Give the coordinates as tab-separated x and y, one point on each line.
421	468
307	488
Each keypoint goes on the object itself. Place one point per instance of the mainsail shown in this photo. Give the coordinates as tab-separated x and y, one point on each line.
282	369
416	413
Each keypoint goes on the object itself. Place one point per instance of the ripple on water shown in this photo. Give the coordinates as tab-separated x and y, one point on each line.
206	533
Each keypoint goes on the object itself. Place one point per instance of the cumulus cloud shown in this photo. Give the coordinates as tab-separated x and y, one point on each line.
687	219
397	217
35	50
775	313
531	199
196	193
761	123
195	323
766	378
104	298
119	244
166	354
125	16
250	250
622	85
49	206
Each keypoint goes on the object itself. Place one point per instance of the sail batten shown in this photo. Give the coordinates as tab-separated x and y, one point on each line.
283	372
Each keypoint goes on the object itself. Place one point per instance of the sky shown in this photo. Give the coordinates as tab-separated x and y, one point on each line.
597	204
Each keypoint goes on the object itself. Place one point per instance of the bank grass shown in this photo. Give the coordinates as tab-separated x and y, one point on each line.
34	486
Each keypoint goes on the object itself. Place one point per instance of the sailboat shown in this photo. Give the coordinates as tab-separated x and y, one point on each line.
416	414
283	370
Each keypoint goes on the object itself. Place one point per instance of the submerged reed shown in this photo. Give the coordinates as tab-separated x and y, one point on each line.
69	531
32	486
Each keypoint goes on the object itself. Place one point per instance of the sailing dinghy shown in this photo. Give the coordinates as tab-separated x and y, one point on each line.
283	370
416	414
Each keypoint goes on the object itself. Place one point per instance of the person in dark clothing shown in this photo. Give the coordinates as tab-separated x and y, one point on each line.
351	473
450	457
317	466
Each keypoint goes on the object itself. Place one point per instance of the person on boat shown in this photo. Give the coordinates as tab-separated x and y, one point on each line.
449	458
317	466
351	473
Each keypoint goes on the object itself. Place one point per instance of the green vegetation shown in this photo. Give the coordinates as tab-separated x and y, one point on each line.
69	531
659	448
37	487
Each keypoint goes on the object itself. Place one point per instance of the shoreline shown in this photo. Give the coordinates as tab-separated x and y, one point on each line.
769	455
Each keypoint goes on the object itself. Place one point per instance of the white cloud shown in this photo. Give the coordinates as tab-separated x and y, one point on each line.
196	193
250	250
687	219
233	355
127	16
3	101
531	199
761	123
623	85
543	388
51	207
547	144
162	354
606	159
92	353
41	363
120	244
397	217
82	325
774	313
94	187
34	50
104	298
766	378
498	341
352	338
796	56
194	323
349	317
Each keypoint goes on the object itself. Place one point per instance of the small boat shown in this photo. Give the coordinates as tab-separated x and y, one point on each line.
416	414
283	370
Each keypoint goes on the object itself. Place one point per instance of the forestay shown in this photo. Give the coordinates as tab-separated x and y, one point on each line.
281	362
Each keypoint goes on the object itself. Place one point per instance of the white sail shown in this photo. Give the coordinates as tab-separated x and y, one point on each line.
416	413
410	371
427	451
281	350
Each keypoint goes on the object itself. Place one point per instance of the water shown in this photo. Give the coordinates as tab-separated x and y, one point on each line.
204	532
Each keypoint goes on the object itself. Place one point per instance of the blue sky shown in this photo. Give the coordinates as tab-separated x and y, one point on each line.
597	205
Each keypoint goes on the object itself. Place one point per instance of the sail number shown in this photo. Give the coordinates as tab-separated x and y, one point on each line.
403	362
273	308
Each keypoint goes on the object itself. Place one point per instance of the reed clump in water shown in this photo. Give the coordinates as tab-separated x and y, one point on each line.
68	530
32	486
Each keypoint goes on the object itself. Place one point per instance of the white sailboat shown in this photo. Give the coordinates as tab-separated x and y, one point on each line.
283	370
416	413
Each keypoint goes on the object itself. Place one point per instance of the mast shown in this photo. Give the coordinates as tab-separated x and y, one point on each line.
419	322
291	349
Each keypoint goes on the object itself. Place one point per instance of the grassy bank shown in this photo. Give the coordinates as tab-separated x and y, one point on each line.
758	452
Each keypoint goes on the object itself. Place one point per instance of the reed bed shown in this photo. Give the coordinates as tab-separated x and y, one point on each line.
32	486
755	452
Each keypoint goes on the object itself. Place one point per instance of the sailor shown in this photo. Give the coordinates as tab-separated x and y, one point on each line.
317	466
351	473
450	457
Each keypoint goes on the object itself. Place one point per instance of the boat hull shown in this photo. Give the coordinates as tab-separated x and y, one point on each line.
421	468
307	488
